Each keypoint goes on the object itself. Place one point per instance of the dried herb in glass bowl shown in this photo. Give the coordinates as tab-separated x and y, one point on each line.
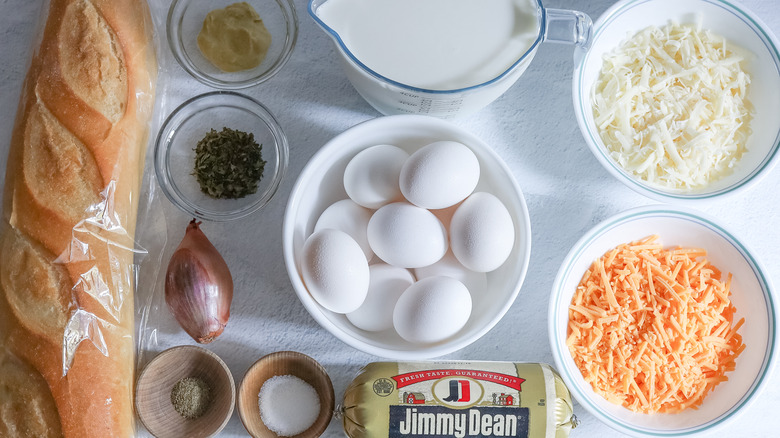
228	164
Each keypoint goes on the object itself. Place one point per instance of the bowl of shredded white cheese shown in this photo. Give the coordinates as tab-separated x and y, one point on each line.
679	98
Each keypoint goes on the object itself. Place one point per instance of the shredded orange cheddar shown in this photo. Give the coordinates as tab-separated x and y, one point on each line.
652	329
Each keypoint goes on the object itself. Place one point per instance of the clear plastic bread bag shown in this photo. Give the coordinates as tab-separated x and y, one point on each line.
82	235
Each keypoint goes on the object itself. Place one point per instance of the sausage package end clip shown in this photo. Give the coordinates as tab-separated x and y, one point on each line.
457	399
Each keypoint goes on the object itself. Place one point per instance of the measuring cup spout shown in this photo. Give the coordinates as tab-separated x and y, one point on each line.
567	27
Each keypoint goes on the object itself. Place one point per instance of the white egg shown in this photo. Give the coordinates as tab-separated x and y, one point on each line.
482	233
335	270
406	236
449	266
386	284
349	217
439	175
431	310
371	176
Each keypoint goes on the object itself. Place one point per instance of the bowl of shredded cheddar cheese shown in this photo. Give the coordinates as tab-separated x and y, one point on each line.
662	322
678	99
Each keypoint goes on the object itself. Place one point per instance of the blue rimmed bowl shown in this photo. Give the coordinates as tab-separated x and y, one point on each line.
726	18
752	295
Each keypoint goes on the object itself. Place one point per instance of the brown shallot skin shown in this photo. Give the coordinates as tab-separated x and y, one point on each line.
198	286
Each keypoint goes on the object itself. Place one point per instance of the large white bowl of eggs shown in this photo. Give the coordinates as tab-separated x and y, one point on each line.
406	237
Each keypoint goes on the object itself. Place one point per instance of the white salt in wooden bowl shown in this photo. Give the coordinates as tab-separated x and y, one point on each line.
284	363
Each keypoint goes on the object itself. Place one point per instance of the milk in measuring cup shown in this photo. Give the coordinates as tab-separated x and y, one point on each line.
435	44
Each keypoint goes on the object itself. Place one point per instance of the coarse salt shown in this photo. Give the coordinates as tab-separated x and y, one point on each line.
288	405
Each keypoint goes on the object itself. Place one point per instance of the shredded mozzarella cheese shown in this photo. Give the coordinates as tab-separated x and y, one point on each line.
670	105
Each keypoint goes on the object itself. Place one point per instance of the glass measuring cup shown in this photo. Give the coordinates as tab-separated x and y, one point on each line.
389	96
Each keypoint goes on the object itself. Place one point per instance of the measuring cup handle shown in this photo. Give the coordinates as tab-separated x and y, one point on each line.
568	27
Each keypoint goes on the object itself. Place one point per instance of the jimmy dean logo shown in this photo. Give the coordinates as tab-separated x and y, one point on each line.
441	421
458	391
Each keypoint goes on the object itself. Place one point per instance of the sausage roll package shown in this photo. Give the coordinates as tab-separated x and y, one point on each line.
68	264
457	399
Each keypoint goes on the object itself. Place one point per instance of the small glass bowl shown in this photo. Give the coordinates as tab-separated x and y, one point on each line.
174	155
185	19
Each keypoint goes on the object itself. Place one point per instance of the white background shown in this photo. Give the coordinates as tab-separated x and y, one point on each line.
532	127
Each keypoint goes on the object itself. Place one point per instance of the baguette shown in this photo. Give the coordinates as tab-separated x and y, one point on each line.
70	201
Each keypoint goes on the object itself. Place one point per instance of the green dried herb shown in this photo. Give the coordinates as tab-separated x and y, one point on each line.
228	164
191	397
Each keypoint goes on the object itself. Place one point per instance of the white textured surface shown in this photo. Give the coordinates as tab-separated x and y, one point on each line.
532	127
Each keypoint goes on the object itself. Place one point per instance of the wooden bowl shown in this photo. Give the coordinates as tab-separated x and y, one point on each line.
153	393
279	364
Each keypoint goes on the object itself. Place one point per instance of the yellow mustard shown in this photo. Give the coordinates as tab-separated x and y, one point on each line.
234	38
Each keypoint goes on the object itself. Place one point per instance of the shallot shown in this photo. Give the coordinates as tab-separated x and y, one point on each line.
198	286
